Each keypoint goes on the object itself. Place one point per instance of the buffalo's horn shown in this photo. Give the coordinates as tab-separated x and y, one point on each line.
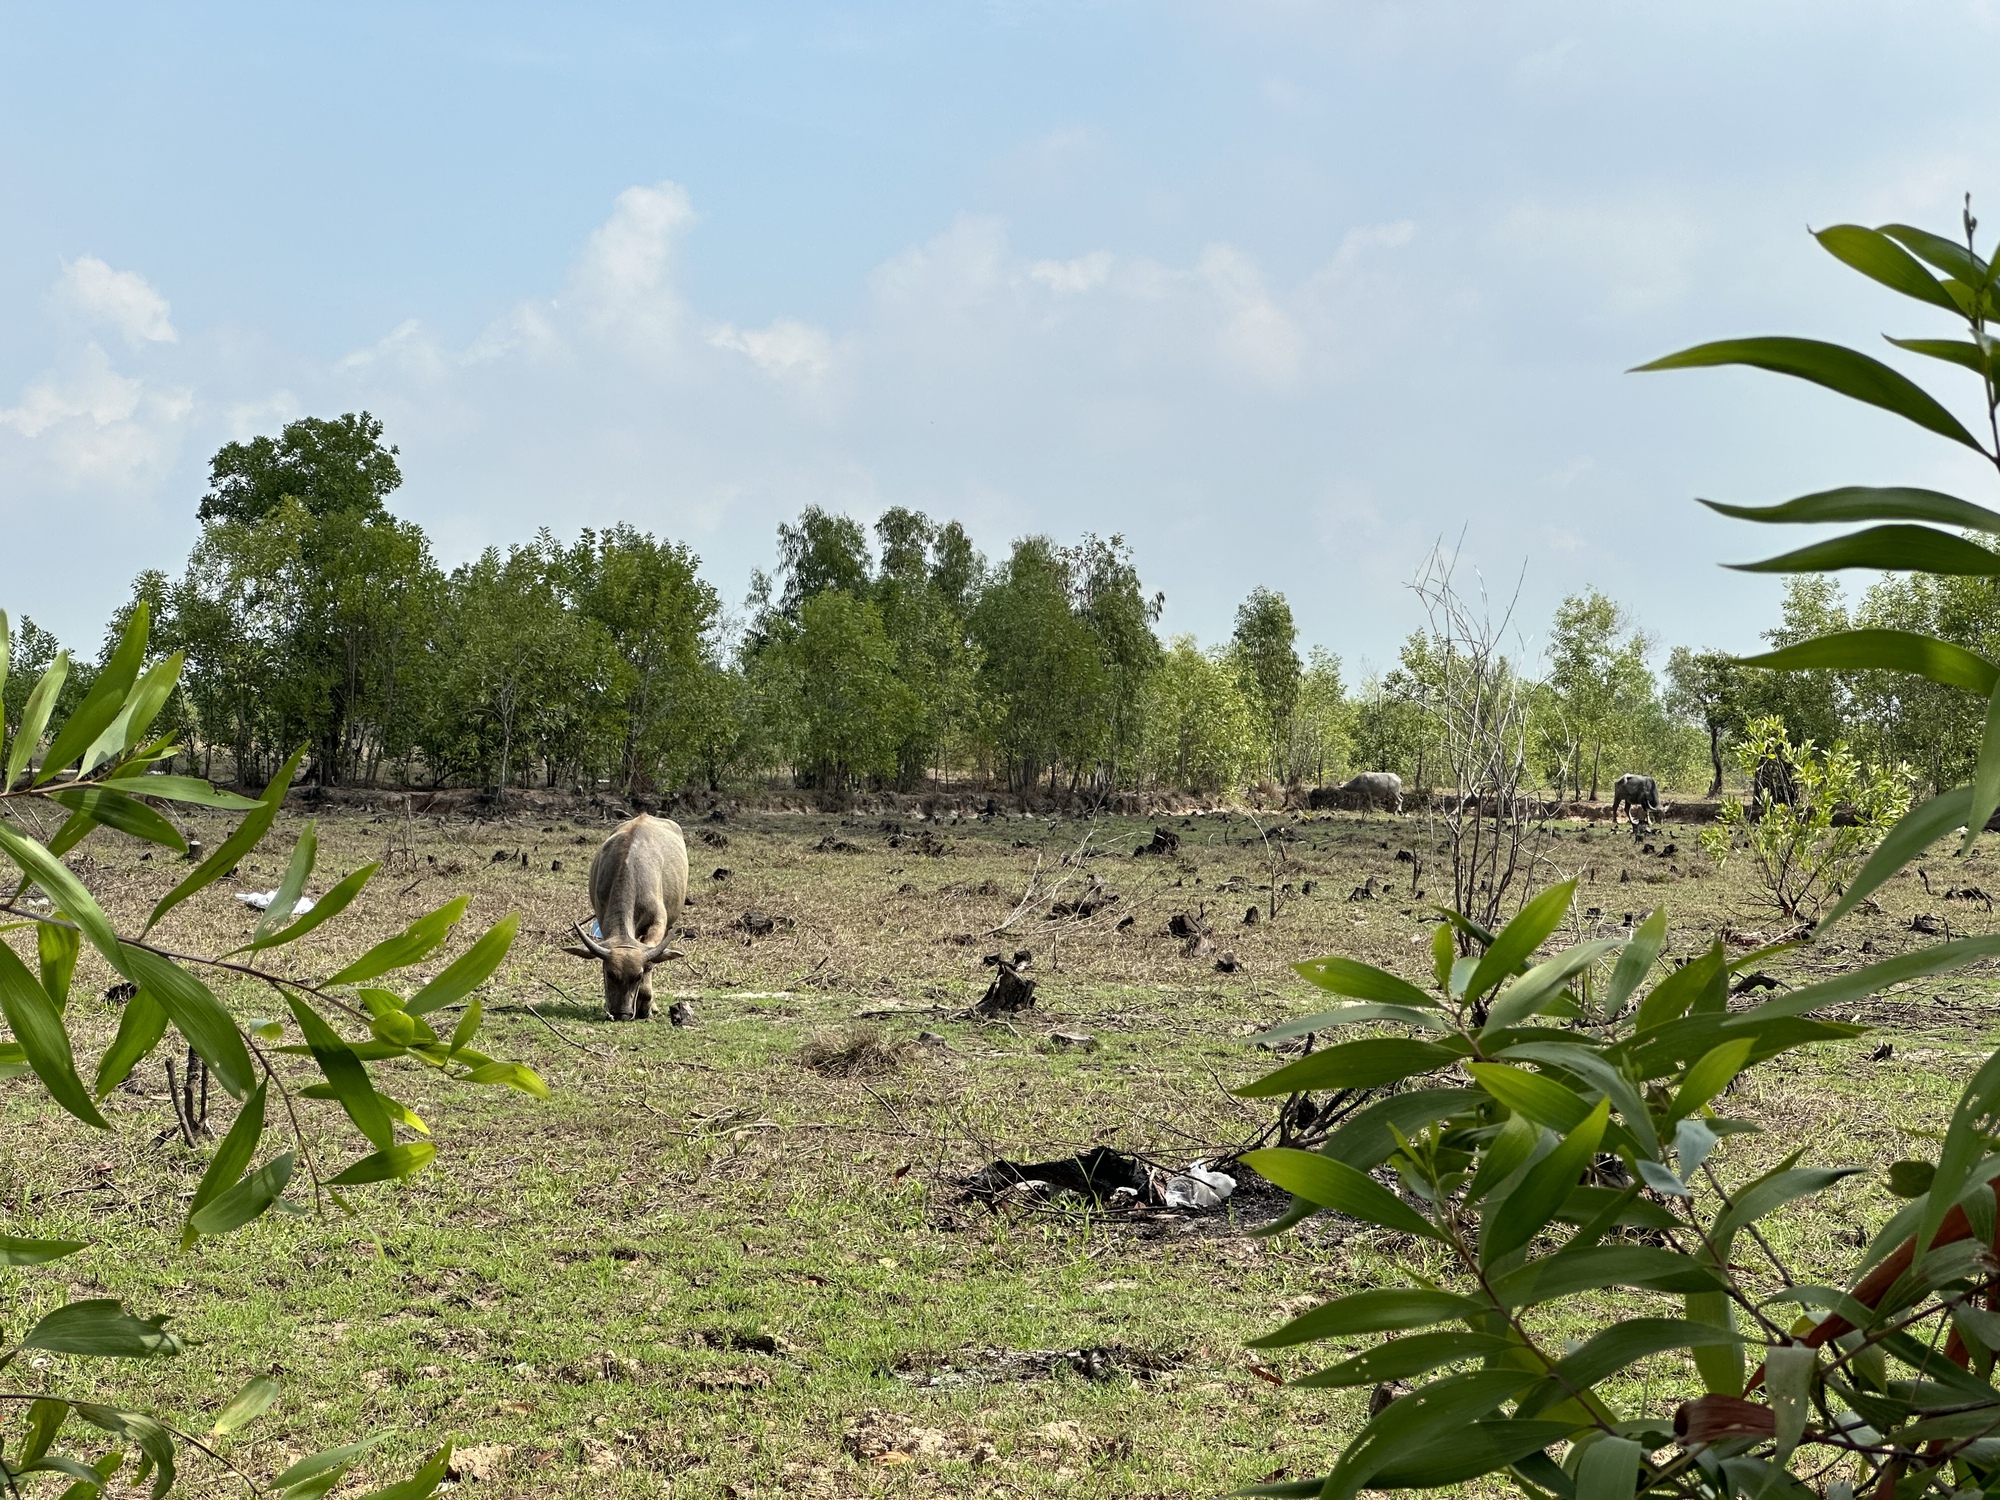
660	951
597	949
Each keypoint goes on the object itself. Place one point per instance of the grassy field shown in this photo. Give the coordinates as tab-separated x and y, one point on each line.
737	1258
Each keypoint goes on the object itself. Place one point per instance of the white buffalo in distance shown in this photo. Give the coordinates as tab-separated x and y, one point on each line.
638	884
1370	789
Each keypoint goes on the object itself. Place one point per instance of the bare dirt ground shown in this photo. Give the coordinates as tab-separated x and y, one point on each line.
738	1258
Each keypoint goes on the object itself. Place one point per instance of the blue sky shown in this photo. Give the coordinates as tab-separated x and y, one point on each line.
1284	293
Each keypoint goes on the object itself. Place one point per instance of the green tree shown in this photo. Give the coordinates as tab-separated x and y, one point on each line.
935	660
1708	688
1112	604
1814	705
1322	724
1202	731
1599	676
836	672
509	645
1265	647
330	466
1042	669
823	551
659	618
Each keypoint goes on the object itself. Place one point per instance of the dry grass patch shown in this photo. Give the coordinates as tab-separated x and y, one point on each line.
855	1052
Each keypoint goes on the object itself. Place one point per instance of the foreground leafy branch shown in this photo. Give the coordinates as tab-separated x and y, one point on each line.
1555	1135
331	1034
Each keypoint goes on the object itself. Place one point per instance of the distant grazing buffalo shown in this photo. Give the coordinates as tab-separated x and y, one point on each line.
1640	794
638	883
1360	793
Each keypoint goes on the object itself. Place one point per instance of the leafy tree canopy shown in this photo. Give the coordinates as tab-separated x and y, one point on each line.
331	465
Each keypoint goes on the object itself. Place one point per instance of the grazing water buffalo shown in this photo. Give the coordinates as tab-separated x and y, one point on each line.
1775	780
638	882
1640	794
1369	789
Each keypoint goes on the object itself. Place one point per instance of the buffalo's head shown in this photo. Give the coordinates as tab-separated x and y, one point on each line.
628	973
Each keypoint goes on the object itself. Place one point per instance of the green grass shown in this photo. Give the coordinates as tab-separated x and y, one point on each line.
702	1265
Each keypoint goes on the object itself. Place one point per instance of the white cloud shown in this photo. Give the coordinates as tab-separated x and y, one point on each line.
1256	337
1358	241
124	300
88	423
787	349
1069	277
624	282
1641	254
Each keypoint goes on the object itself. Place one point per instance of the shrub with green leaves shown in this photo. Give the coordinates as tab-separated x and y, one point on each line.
1806	850
94	768
1557	1140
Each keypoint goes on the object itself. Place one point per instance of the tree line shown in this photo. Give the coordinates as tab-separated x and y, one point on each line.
309	613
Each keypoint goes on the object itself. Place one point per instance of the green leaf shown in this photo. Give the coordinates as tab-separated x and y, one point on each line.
345	1075
1769	1192
1349	1015
63	888
514	1075
1919	963
469	970
1911	1179
1880	258
1602	1266
1636	962
1884	651
1916	549
1399	1359
35	718
197	1015
251	1197
1986	778
152	1439
135	716
139	1031
1948	256
1961	352
1608	1352
1919	828
232	1160
1535	1095
1521	937
249	833
467	1028
1534	990
1439	1413
304	852
1601	1075
1672	997
56	949
329	906
1335	1185
1359	981
1444	952
1710	1076
116	810
395	1163
38	1027
45	1420
1387	1310
1965	1142
1609	1470
1483	1448
423	1484
191	789
1366	1138
321	1463
101	704
247	1405
101	1327
415	943
1846	371
15	1251
1352	1065
1867	503
1531	1207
